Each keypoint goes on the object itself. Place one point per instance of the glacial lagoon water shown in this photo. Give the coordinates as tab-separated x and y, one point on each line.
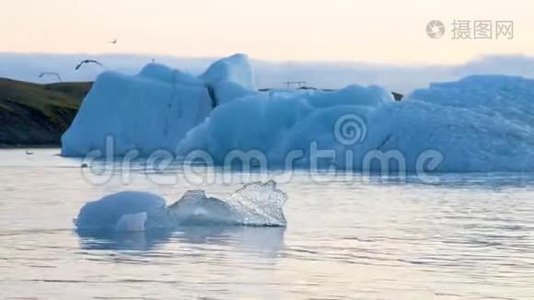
465	236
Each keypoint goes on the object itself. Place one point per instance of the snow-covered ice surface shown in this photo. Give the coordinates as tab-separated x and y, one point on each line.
480	123
256	204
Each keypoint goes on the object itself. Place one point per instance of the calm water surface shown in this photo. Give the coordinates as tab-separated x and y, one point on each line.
467	237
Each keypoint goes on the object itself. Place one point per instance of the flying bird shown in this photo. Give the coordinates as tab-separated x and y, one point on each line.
50	74
87	61
114	41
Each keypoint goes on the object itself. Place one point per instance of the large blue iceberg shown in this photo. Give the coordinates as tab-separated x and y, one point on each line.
154	109
480	123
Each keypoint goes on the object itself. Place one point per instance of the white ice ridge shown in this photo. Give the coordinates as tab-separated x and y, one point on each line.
480	123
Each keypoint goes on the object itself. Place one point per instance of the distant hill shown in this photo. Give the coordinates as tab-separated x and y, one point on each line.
37	115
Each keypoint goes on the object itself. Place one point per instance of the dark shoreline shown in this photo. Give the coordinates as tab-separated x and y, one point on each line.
44	146
36	115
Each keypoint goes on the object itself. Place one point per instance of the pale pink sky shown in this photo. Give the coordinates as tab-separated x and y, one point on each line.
335	30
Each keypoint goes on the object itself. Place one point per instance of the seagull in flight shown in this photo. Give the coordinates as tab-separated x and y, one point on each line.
87	61
50	74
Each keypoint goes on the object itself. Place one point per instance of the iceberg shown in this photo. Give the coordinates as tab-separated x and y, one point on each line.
154	109
477	124
255	204
480	123
281	122
121	211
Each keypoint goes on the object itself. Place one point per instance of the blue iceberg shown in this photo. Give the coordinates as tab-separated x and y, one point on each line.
477	124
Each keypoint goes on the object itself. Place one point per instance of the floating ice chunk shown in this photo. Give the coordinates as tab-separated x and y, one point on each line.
132	222
195	208
108	213
260	204
256	204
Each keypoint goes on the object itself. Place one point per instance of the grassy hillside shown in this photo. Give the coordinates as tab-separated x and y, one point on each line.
35	114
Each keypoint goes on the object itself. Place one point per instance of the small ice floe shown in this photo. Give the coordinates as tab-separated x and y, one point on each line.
255	204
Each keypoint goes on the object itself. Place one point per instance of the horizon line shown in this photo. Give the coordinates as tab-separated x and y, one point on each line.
285	61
